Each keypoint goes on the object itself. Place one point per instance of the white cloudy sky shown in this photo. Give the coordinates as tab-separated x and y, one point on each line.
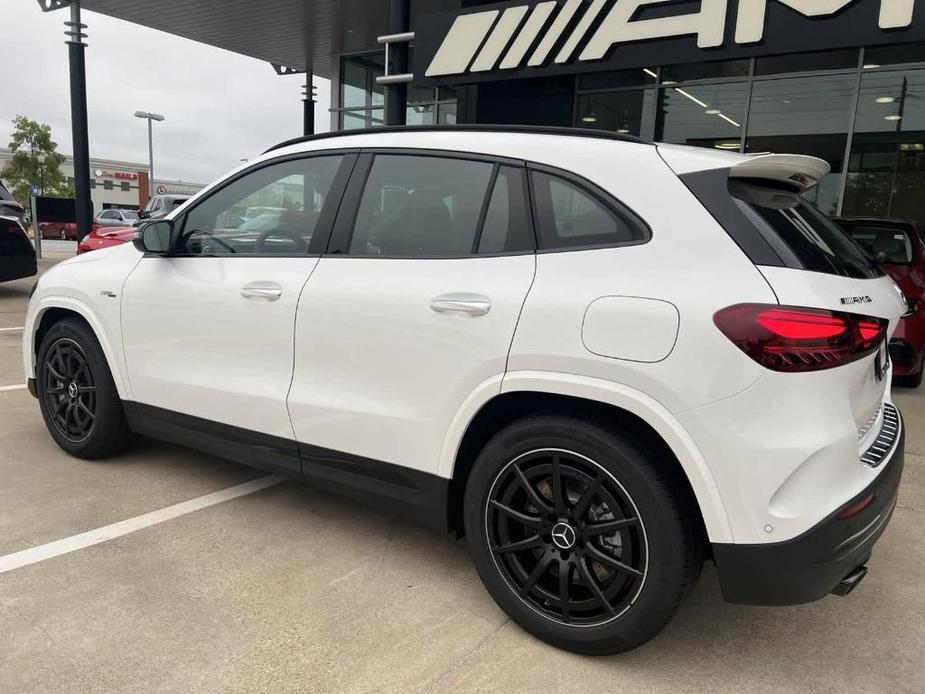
220	106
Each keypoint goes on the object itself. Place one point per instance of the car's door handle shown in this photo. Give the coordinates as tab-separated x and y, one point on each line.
471	304
267	291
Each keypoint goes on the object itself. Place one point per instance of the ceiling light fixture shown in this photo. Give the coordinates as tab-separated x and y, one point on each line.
728	144
691	97
589	117
871	66
892	118
650	73
712	111
727	118
885	99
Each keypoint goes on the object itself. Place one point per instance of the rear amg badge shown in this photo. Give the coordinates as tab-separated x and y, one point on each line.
848	300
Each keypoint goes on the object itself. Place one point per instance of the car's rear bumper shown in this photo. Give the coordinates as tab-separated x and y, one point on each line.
812	565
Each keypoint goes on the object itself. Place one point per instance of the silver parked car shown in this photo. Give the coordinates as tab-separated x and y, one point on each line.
116	218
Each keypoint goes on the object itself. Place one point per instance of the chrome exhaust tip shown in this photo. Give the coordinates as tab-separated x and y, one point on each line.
851	581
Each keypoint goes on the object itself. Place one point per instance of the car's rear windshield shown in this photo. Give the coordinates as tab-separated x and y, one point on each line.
130	214
883	244
817	243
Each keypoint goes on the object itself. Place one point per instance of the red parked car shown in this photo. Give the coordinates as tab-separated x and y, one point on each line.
104	237
59	230
897	246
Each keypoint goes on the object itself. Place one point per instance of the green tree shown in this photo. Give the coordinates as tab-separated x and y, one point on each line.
35	161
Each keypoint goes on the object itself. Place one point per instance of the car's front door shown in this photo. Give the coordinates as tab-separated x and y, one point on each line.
411	311
208	331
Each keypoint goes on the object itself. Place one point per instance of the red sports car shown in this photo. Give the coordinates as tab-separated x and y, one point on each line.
898	248
104	237
59	230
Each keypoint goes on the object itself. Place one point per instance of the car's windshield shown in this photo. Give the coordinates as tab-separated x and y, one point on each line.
883	244
130	214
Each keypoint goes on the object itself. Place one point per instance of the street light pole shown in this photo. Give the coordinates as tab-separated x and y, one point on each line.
150	117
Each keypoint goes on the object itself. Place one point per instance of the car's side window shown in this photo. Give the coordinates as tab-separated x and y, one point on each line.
420	206
273	210
571	216
506	228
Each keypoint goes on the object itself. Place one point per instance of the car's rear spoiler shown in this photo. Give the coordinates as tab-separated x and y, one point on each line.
798	170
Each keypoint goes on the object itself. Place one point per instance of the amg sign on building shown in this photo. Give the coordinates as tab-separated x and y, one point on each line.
523	39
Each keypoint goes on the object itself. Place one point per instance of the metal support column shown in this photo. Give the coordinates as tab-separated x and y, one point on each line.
308	104
396	93
78	75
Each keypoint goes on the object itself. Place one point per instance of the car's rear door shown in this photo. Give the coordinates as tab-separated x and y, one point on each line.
208	331
411	311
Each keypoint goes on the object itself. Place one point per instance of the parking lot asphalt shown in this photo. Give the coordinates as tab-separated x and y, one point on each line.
289	589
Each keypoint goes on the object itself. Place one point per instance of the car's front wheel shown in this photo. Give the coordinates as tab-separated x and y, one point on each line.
580	534
77	396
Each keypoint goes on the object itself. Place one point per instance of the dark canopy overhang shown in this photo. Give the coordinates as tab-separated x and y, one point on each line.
292	33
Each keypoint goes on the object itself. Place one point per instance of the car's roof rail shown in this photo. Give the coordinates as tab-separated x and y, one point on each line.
468	127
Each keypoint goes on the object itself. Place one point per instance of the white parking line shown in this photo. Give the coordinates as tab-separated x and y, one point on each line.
73	543
10	330
18	386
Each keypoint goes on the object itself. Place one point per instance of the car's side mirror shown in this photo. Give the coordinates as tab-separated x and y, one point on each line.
154	238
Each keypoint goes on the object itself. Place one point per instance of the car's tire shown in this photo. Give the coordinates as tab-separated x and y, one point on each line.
663	547
76	393
913	381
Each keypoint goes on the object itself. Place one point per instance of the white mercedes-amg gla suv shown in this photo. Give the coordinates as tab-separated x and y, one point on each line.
601	360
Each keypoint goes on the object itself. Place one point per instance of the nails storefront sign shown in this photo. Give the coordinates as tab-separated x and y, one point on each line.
525	39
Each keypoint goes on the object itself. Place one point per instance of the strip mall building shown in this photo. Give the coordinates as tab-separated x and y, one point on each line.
840	79
117	184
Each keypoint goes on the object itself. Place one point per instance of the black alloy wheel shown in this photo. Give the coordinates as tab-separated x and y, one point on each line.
566	537
69	390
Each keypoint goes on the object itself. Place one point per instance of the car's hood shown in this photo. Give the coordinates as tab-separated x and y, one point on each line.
125	233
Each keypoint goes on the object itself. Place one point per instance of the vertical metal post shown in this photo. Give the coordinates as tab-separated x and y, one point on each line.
849	139
78	78
150	159
396	95
308	104
36	232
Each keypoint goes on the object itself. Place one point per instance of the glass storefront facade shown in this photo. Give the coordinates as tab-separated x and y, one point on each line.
862	110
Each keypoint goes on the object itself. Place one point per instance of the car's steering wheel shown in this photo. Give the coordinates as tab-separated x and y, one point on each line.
205	249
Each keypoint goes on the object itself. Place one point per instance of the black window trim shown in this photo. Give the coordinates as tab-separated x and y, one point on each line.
325	225
619	209
339	244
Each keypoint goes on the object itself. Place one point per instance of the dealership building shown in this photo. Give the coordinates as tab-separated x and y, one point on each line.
843	80
117	184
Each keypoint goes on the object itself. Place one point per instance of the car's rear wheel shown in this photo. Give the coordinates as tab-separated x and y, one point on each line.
579	534
77	396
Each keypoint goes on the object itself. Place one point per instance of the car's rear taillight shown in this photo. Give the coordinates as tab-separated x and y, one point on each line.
793	338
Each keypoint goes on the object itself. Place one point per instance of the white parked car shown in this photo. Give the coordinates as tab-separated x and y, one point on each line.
602	360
